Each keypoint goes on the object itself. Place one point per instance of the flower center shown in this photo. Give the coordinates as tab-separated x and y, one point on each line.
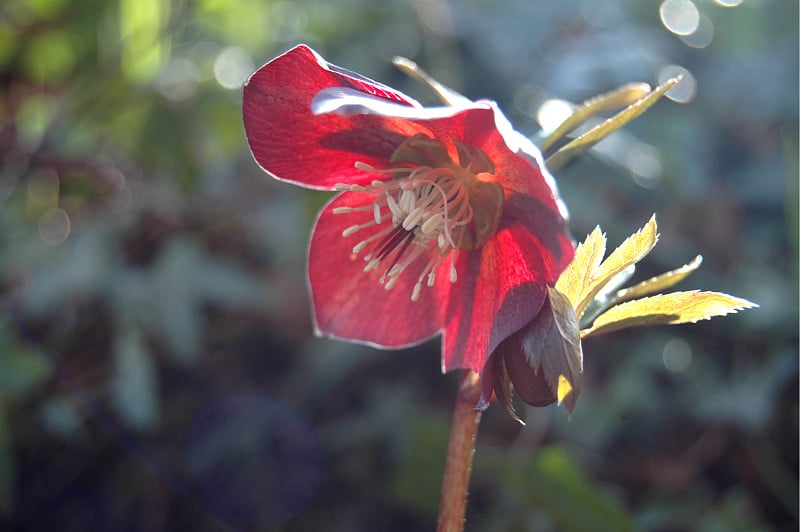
433	209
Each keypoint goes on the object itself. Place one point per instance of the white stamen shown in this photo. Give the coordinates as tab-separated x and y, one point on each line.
353	229
394	207
431	225
358	248
427	207
415	292
407	200
413	218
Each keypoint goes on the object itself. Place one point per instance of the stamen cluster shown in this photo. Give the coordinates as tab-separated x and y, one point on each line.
428	210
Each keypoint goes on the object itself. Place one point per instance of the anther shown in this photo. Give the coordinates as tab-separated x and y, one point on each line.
353	229
415	292
413	218
431	225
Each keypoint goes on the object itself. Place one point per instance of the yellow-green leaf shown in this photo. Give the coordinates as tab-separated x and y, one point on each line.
598	133
619	97
659	282
667	309
577	276
631	251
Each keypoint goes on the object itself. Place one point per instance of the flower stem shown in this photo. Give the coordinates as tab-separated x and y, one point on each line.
458	466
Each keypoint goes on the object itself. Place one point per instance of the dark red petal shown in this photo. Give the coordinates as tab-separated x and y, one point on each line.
295	145
500	288
531	196
352	305
530	385
548	230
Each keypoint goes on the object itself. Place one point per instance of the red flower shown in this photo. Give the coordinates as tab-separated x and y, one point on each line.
447	220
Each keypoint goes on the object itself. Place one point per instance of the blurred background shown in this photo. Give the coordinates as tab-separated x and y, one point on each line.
157	367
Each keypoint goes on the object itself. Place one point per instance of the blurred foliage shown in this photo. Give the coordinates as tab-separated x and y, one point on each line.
151	276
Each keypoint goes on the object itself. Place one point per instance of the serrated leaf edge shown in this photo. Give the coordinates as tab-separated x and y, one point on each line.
602	328
602	276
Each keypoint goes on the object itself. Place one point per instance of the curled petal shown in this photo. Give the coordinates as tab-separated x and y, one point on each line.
294	145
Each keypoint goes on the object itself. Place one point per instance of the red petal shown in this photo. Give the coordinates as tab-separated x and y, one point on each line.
294	145
500	288
548	230
531	196
352	305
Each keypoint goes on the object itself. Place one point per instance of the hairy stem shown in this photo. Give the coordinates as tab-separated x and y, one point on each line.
458	466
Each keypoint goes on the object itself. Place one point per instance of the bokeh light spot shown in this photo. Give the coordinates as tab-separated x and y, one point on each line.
54	226
178	80
645	166
703	35
684	91
677	355
681	17
552	114
729	3
232	67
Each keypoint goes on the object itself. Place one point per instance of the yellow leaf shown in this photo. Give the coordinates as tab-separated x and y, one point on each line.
564	388
667	309
598	133
631	251
588	255
659	282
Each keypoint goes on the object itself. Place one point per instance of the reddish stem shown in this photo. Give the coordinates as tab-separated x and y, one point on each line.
458	466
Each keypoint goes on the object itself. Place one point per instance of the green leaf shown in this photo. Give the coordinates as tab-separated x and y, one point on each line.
619	97
670	309
631	251
552	483
659	282
417	481
598	133
577	276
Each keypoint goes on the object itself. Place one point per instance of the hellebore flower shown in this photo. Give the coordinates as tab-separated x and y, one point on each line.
447	220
